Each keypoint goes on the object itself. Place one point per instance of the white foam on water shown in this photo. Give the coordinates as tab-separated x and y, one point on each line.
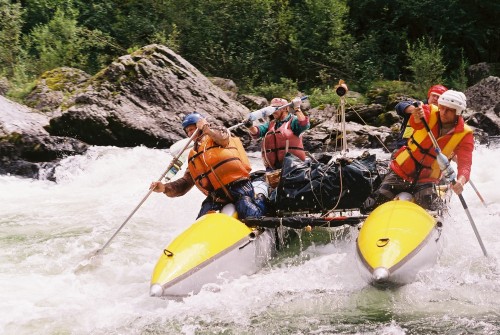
47	228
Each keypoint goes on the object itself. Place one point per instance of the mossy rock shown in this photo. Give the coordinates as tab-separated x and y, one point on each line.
53	88
383	92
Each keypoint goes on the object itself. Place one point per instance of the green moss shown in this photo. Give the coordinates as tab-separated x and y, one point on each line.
14	138
384	92
19	92
61	79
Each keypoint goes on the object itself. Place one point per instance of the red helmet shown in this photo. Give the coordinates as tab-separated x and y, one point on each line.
277	102
436	89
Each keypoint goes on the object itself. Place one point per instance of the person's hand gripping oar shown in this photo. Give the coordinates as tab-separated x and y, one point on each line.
95	258
450	175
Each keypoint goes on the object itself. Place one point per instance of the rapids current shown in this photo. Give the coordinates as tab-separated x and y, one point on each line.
47	229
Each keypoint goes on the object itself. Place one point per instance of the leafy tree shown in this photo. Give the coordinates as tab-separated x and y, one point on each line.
426	63
61	42
40	12
10	37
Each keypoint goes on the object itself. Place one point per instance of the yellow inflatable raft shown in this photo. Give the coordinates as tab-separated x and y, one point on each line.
397	240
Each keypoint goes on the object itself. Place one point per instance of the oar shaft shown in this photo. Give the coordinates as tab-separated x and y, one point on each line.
277	109
476	232
174	160
125	222
477	192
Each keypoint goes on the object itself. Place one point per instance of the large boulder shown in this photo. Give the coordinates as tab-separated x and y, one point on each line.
483	105
26	149
479	71
54	88
141	99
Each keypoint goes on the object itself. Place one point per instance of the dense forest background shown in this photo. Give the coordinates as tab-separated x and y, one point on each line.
263	45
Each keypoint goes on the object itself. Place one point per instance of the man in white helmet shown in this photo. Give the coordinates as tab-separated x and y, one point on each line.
414	168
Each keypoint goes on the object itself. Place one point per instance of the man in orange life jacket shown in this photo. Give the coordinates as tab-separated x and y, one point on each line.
405	108
414	168
219	167
282	134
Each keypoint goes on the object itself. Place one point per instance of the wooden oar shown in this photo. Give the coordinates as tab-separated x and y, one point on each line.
444	165
478	194
475	190
93	259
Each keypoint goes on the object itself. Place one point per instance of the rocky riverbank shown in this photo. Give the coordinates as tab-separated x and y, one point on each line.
141	98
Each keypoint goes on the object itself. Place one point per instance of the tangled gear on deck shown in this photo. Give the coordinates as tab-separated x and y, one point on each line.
317	187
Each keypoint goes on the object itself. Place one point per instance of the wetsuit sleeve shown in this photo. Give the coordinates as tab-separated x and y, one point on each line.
400	108
263	128
464	156
180	186
298	127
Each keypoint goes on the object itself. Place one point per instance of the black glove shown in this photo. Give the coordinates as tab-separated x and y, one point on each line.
248	123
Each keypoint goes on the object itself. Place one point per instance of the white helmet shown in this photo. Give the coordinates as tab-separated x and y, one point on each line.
453	99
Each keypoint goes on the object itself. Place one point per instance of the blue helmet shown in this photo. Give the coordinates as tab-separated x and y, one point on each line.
191	119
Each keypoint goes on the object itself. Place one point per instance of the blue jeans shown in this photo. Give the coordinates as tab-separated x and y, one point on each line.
244	200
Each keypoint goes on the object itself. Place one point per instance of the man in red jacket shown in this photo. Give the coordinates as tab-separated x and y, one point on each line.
414	168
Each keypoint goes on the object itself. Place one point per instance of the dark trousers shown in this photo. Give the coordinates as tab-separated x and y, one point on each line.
393	184
244	200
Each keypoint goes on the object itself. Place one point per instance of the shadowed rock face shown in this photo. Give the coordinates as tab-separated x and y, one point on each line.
25	146
141	99
483	105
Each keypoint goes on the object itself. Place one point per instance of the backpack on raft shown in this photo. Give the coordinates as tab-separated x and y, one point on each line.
315	187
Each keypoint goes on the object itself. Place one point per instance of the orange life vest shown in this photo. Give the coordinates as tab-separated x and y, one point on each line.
277	142
418	158
212	166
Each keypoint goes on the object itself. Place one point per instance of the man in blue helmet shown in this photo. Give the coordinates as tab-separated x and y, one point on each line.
219	167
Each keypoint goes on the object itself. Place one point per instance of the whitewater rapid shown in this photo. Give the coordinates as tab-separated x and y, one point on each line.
47	229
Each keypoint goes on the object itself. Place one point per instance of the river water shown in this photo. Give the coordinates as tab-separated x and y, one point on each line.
47	229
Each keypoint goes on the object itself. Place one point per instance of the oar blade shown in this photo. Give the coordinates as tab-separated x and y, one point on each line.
92	261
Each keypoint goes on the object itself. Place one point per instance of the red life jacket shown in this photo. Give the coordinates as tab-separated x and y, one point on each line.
418	158
277	142
213	166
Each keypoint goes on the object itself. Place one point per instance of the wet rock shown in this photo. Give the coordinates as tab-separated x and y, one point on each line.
141	99
483	105
26	149
54	88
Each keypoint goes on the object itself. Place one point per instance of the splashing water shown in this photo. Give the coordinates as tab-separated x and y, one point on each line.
47	229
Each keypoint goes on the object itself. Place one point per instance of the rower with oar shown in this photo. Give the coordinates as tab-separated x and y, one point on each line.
282	134
415	167
218	165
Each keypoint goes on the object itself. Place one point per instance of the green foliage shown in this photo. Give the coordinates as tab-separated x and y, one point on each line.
458	79
254	42
286	89
61	42
426	64
10	37
321	97
20	89
383	91
57	43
